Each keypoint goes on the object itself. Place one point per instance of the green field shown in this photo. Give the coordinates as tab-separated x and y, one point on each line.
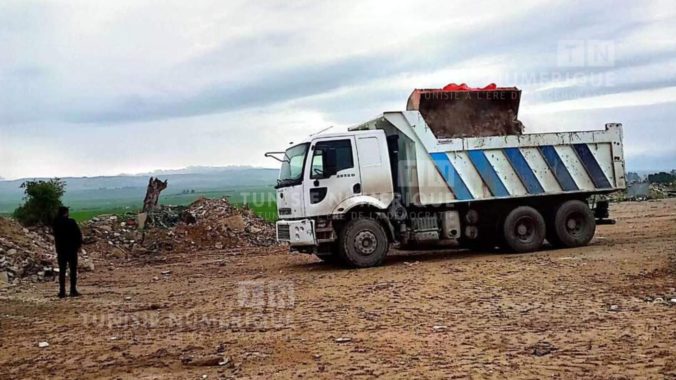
260	199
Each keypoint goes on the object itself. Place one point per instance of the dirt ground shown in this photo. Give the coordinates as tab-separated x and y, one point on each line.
602	311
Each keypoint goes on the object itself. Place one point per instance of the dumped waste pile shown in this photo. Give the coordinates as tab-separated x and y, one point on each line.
205	224
216	224
24	253
111	235
29	254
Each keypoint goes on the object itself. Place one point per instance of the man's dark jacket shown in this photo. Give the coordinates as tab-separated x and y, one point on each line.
67	237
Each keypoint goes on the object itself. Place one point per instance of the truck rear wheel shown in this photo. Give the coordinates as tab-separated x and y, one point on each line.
524	229
363	243
574	224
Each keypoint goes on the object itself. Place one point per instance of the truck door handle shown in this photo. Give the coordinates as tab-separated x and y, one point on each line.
356	188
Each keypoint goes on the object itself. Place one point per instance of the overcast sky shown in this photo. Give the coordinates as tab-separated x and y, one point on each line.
105	87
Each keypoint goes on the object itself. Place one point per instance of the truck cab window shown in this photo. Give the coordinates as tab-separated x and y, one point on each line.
292	167
344	158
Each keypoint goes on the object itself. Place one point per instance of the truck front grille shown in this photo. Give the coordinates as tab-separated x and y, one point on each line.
283	232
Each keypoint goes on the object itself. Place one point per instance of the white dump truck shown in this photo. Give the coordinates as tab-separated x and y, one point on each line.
454	167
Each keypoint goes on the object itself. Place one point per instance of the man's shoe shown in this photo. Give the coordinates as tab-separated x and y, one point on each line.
74	293
62	295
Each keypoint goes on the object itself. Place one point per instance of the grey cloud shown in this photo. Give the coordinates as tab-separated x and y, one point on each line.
530	40
278	84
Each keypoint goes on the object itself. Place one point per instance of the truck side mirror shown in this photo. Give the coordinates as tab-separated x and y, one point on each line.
330	164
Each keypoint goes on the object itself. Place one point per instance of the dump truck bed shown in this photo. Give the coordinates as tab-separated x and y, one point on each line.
435	170
463	111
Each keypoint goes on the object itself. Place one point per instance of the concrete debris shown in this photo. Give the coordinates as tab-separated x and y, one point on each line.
205	224
25	253
207	361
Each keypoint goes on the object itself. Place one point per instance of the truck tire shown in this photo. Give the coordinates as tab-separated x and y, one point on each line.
524	229
574	224
363	243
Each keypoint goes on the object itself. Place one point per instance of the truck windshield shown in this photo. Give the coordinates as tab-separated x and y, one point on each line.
291	172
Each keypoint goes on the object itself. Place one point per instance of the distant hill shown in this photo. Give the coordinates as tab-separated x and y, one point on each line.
89	191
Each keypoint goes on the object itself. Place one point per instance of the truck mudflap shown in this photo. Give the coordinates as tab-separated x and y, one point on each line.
297	232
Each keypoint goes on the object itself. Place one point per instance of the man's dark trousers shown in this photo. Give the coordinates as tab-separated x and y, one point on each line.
67	260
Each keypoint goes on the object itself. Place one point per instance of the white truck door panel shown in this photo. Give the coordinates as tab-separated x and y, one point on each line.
374	165
322	195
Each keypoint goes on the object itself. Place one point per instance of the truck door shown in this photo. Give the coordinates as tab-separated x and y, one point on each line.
332	175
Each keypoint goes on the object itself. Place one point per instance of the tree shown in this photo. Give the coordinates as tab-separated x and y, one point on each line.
155	186
661	177
42	200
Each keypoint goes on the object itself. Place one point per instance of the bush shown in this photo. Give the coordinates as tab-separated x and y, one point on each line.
41	202
661	178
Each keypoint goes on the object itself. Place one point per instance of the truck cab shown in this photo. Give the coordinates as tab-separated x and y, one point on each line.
327	176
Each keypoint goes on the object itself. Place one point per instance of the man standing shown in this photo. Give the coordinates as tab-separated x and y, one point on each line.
68	240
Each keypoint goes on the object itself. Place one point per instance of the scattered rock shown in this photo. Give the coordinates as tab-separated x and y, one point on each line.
614	308
439	328
542	348
226	362
86	265
343	340
43	344
206	361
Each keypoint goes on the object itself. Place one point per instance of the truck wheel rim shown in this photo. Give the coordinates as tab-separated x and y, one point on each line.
525	229
574	224
365	242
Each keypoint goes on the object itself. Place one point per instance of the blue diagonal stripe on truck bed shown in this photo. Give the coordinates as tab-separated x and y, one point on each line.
451	176
591	166
523	170
487	173
558	168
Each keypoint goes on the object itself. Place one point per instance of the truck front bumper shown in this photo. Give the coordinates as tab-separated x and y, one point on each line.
297	232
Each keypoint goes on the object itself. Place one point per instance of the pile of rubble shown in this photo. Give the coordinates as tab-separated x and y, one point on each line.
24	253
111	235
205	224
29	254
216	224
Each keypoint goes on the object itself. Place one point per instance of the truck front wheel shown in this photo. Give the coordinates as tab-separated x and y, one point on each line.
363	243
524	229
574	224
